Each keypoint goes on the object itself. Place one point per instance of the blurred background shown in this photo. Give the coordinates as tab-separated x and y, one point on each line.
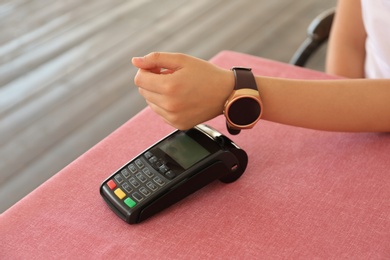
66	79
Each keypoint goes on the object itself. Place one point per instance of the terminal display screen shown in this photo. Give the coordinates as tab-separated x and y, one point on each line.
184	150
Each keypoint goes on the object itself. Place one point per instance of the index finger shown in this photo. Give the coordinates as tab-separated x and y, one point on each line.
160	60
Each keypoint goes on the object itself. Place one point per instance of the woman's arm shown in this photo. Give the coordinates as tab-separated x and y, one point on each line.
346	46
186	91
353	105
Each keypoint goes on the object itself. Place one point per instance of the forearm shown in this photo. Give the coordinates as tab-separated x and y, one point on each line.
332	105
186	91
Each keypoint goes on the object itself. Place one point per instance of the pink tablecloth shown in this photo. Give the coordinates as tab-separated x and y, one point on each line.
306	194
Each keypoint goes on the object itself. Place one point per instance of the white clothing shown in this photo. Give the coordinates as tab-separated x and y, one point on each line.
376	19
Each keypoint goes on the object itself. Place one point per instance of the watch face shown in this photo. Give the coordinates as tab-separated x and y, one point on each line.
244	111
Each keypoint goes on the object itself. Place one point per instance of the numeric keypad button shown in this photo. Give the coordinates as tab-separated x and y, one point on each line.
125	173
139	163
118	178
145	191
159	181
134	182
148	172
141	177
152	186
127	187
132	168
137	196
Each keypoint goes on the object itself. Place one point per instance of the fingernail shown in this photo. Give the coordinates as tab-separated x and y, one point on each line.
138	58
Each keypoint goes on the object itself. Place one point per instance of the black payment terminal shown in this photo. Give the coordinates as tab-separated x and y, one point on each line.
173	168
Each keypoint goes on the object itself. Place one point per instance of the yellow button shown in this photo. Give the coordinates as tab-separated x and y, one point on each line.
119	193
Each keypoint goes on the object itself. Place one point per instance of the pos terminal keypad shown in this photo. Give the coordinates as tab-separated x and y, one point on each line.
140	179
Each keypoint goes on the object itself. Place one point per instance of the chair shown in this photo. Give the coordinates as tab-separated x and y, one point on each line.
317	34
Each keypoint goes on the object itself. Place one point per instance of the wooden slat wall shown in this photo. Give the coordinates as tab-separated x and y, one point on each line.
66	80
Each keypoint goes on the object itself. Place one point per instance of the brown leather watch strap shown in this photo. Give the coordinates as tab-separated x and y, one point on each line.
244	78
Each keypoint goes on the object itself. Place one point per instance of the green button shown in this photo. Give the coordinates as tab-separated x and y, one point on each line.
130	203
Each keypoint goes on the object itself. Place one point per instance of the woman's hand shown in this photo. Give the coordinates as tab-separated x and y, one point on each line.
183	90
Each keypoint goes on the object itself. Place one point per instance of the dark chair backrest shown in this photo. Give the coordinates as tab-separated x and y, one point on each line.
317	33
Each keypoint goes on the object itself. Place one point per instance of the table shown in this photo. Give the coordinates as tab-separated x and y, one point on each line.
305	194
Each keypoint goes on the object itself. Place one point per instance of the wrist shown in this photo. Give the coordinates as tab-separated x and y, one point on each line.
227	85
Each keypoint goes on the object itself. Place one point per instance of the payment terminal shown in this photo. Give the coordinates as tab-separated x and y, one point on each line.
173	168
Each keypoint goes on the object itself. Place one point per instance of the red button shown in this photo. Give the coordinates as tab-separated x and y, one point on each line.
111	184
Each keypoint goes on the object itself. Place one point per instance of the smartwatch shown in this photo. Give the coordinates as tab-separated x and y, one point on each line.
244	107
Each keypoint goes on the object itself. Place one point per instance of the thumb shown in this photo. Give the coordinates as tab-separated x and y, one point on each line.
159	60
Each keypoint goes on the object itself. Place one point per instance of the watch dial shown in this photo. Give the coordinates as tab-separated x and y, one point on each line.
244	111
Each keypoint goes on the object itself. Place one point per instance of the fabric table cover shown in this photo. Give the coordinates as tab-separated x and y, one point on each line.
305	194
